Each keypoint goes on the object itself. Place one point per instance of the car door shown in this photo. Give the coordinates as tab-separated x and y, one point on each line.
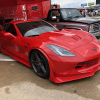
11	45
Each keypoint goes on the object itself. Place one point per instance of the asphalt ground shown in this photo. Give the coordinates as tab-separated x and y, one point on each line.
19	82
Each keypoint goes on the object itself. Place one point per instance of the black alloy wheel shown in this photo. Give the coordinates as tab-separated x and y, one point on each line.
40	64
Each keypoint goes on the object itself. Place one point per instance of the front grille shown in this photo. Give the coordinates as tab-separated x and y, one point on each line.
96	27
88	63
92	62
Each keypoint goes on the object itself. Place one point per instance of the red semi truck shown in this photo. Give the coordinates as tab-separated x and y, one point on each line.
63	17
23	9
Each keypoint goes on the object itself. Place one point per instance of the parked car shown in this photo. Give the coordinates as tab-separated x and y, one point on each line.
70	18
98	12
61	56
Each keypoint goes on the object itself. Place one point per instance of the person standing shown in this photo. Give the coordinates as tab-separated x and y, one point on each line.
81	11
84	13
91	13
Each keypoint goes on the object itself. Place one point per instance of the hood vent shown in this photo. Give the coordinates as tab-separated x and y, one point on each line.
76	37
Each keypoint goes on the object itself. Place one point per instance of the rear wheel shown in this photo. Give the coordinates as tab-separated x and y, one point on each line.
40	64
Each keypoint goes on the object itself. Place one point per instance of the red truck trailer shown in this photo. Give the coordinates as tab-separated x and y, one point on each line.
23	9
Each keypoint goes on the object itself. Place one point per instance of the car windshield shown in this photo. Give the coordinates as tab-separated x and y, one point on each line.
34	28
70	13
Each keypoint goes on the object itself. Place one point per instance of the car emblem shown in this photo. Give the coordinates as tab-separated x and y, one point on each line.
94	49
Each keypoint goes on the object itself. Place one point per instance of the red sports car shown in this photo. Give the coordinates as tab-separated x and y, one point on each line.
61	56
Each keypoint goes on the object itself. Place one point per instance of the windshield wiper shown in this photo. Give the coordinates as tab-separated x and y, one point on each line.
32	35
77	16
69	17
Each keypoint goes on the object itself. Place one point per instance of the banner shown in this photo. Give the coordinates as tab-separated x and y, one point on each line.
84	4
92	3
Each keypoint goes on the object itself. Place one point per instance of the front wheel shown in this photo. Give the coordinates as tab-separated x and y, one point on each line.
40	64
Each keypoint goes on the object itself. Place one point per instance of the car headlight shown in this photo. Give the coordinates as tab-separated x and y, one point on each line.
60	51
91	28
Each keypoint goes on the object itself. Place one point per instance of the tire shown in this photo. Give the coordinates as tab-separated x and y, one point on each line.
39	63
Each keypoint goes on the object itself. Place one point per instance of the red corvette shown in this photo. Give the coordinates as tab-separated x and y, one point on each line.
61	56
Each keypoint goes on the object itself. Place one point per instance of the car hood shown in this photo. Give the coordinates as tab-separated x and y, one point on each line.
84	20
69	39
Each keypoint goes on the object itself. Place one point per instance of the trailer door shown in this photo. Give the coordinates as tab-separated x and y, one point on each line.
34	11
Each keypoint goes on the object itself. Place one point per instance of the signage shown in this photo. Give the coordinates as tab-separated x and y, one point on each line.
84	4
92	3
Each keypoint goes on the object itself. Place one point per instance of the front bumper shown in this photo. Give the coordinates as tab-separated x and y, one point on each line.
79	74
68	71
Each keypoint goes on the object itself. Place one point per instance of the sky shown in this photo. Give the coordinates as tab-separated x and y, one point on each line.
71	3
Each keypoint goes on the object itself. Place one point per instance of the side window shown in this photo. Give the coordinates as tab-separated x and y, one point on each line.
6	27
55	15
10	28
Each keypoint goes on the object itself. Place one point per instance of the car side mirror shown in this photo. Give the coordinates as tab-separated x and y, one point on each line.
54	17
9	35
